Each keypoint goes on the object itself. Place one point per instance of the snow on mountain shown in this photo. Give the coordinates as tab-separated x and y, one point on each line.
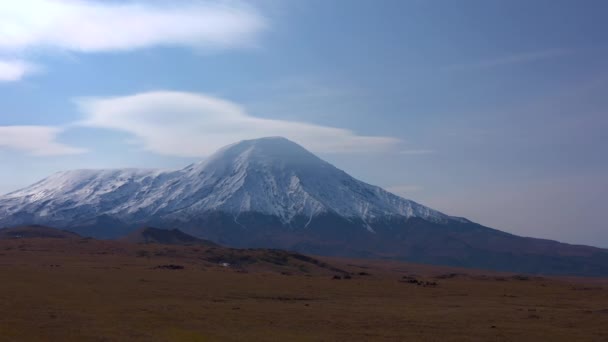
272	176
71	194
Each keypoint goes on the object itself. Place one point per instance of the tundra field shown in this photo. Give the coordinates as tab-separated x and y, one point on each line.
77	289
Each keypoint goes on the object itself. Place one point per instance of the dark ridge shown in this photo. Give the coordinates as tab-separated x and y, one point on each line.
165	237
36	231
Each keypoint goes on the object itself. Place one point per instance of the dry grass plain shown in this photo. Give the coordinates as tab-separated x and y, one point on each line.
88	290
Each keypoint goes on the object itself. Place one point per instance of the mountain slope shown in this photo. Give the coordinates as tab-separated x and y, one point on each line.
271	192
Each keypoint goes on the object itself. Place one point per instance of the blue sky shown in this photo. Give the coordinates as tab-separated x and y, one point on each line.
494	110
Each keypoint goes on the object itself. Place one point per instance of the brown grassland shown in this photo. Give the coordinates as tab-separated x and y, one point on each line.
90	290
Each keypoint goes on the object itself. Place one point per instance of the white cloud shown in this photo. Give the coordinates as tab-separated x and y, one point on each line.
95	26
189	124
83	26
14	70
35	140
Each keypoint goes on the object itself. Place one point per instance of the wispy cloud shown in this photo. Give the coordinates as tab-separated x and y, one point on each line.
517	58
191	124
303	96
100	26
15	70
35	140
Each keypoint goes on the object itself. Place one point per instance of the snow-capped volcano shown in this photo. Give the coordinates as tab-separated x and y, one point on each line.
271	192
271	176
277	177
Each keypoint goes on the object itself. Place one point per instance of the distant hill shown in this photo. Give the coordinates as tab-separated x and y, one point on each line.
165	237
35	231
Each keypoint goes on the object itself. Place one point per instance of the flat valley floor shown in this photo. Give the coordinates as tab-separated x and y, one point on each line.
89	290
